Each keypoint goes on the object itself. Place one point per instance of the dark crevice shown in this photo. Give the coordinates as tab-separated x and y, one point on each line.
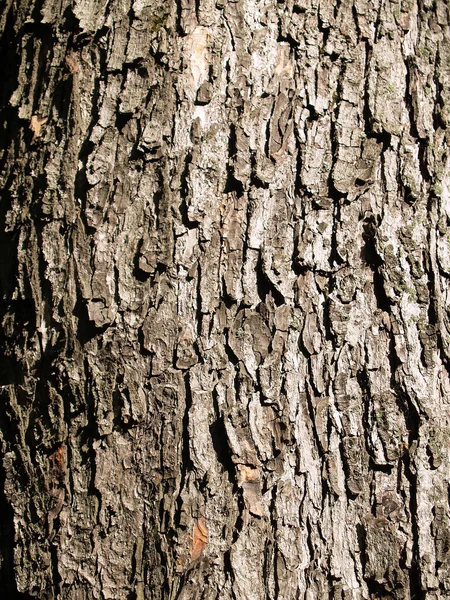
438	121
298	184
220	442
239	524
232	183
394	361
367	116
62	104
412	419
361	537
298	268
197	10
232	142
69	25
184	194
142	349
298	9
329	334
139	274
159	200
414	572
309	538
88	434
364	384
56	577
374	261
335	259
409	103
313	114
277	556
423	161
325	30
383	302
198	310
86	329
228	571
348	470
412	416
431	459
266	571
119	424
187	464
312	415
37	193
122	119
267	132
287	38
82	186
381	468
255	181
337	5
378	22
231	355
382	137
356	21
433	312
302	347
265	286
378	590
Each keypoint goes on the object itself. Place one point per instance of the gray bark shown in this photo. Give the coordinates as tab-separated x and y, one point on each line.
225	275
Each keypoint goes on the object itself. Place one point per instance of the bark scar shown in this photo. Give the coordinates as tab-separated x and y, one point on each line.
36	124
199	538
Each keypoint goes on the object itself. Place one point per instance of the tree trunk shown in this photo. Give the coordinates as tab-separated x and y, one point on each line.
225	274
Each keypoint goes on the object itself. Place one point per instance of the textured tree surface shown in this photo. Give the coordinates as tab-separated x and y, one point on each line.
225	270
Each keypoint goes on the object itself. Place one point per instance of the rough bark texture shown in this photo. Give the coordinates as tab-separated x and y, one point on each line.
225	273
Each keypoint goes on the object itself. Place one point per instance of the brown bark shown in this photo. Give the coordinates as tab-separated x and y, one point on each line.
225	276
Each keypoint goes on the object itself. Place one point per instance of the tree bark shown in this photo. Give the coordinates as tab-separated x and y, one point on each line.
225	276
